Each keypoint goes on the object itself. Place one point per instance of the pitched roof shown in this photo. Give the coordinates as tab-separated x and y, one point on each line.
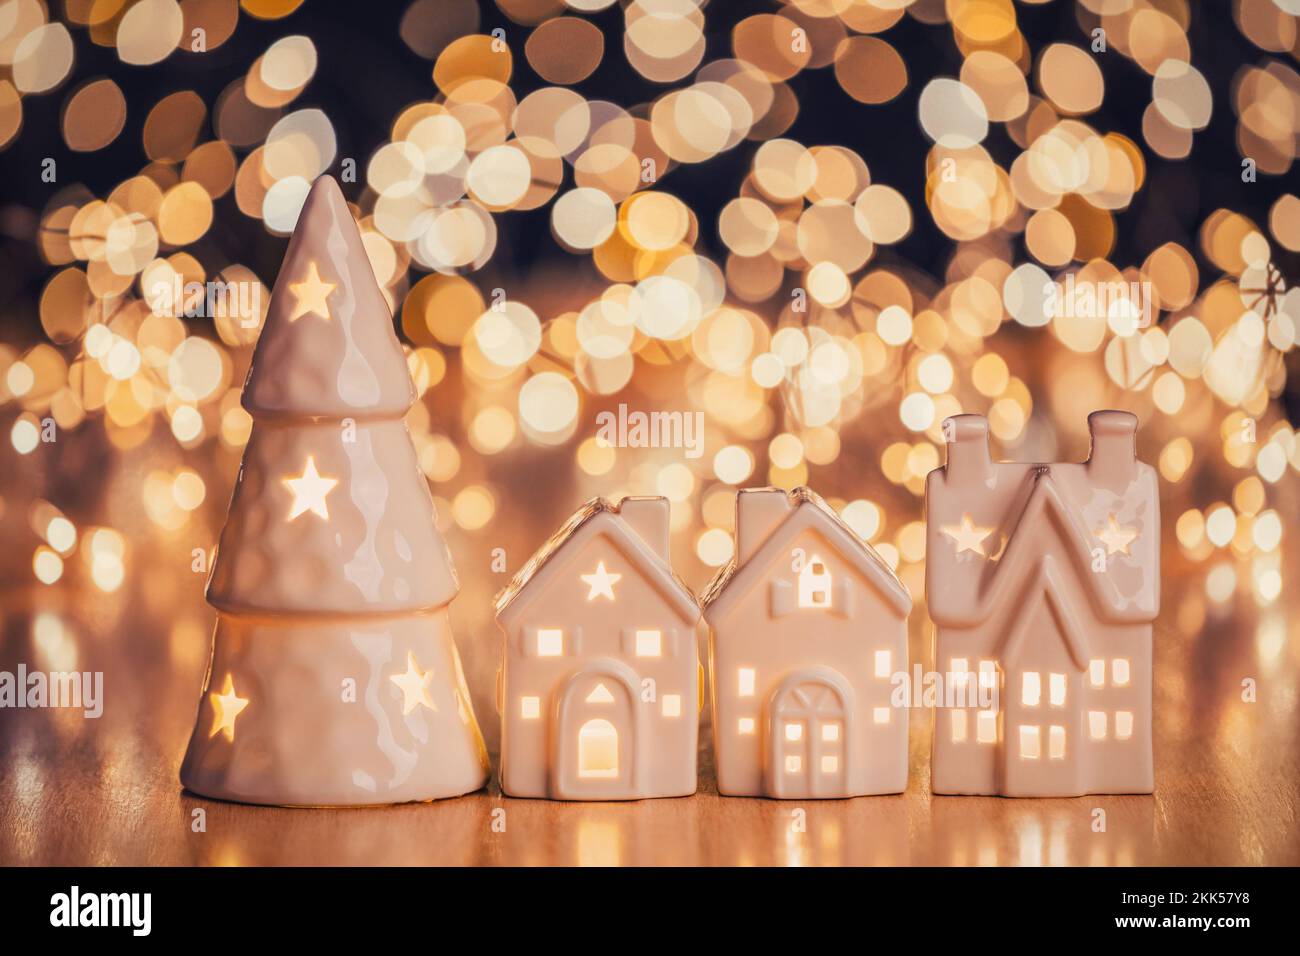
808	510
1047	585
596	517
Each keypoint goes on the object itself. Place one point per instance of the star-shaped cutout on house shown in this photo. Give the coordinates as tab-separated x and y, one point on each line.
226	706
414	684
600	582
309	491
1115	536
311	294
968	536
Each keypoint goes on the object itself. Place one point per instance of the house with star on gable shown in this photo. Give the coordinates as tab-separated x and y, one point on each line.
1043	581
600	685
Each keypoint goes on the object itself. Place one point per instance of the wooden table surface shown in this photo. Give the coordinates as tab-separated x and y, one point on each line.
105	791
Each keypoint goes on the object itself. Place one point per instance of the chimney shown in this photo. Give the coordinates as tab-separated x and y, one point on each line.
759	512
648	517
968	449
1114	445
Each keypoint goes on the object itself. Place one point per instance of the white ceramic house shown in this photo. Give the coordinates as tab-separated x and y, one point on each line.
1044	581
807	626
600	685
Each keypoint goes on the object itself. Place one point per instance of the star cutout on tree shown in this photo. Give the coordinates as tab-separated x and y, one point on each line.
1115	536
600	582
414	684
309	491
311	294
967	536
226	706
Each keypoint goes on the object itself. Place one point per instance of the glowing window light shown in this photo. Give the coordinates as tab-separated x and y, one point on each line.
600	582
745	682
814	584
1097	724
600	695
794	731
880	715
958	669
598	749
226	706
1031	689
311	295
414	685
986	727
1056	684
793	765
1097	673
1031	742
830	764
830	732
649	643
745	725
530	708
550	642
1056	742
1119	671
672	705
883	663
1123	724
309	491
958	726
988	674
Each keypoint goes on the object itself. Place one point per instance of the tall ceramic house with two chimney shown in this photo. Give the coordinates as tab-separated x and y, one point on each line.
807	625
600	685
1043	581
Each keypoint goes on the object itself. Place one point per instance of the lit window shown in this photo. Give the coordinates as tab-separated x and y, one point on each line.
1031	743
957	670
530	708
649	643
745	725
1097	724
793	765
672	705
830	732
882	663
830	764
1097	673
1056	742
1123	724
1119	671
988	674
880	715
794	731
600	695
745	684
814	584
986	727
1031	689
959	726
1057	686
550	642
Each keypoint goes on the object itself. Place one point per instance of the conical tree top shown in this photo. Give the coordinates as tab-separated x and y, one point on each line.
328	349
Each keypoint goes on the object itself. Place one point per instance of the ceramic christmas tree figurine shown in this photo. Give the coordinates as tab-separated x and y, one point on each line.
1044	581
334	678
807	627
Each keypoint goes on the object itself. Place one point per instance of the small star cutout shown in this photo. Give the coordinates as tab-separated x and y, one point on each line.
1116	537
414	685
601	582
968	536
309	491
311	294
226	706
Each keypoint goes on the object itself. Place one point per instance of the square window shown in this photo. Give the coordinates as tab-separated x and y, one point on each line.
882	663
880	715
794	731
1097	724
988	674
1056	742
1057	689
550	642
1031	742
986	727
830	764
830	732
1123	724
793	765
1097	673
1119	671
958	668
959	726
672	705
745	682
745	725
530	708
649	643
1031	688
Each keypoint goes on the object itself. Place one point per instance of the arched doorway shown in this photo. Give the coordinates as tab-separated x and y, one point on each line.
595	737
808	731
598	750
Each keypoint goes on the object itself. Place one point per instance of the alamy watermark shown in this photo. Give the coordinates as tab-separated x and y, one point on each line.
1127	306
626	429
79	690
236	299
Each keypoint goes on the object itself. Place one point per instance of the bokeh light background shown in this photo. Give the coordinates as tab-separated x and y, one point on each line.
827	224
